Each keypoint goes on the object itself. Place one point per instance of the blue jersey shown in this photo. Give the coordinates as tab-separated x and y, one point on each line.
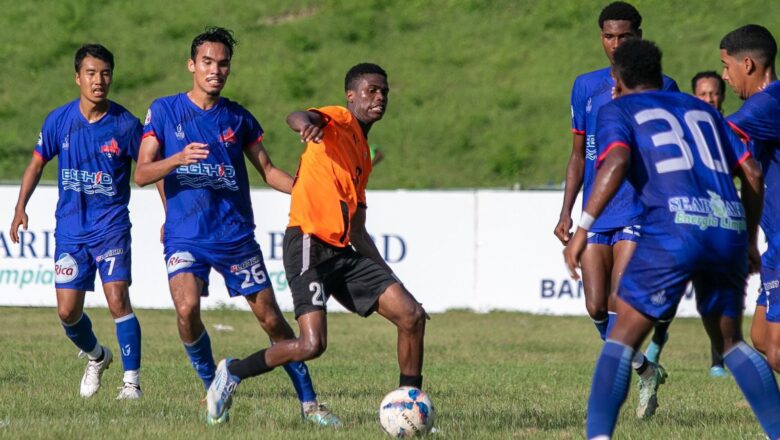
758	121
94	169
208	202
590	92
682	156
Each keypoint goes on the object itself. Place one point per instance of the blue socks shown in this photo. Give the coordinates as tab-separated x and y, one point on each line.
757	382
611	320
299	375
81	333
128	333
201	358
609	388
601	326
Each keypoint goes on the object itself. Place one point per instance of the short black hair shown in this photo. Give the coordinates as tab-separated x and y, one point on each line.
359	70
213	34
621	11
752	38
638	63
94	50
709	74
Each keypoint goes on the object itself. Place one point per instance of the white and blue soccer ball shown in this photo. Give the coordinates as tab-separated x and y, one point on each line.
406	412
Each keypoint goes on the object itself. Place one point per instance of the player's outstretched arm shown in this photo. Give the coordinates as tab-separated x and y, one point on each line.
30	179
574	174
749	173
361	240
150	170
276	178
309	125
611	174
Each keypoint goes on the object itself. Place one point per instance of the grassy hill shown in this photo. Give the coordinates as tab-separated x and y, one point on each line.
480	89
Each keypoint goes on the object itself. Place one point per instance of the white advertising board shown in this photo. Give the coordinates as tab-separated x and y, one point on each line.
480	249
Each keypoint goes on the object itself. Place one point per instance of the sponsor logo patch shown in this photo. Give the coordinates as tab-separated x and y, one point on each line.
111	253
179	260
148	117
65	269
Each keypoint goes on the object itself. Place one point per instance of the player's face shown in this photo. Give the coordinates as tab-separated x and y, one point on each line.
211	67
708	90
94	79
368	100
614	33
734	73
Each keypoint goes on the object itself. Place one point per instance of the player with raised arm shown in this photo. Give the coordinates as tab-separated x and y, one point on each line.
748	56
327	250
612	239
710	88
196	142
679	154
96	141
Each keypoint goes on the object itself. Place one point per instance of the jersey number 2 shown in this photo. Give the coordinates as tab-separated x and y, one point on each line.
257	276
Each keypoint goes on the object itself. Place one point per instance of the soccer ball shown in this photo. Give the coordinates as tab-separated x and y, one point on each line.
406	412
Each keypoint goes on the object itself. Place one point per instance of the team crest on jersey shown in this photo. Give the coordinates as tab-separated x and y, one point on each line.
179	132
66	142
40	139
65	269
179	260
148	117
228	137
110	148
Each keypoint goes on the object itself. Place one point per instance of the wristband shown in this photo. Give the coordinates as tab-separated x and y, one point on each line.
586	221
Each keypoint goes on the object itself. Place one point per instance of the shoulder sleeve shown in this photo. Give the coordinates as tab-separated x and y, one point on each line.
756	120
253	131
47	147
735	149
670	85
614	130
134	137
578	106
322	112
154	122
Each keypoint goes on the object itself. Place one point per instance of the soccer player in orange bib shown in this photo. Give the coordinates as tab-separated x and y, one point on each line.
327	250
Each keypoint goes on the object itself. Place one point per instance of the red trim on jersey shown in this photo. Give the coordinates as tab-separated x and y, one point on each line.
742	134
741	160
147	134
259	139
616	144
575	131
35	153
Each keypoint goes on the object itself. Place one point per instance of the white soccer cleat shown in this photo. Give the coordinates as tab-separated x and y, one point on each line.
219	396
90	382
130	391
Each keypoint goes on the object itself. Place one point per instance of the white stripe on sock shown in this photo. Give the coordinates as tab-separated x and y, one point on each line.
125	318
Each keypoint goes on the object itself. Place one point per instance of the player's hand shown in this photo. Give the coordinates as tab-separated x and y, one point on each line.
572	253
193	153
754	259
311	133
20	218
563	229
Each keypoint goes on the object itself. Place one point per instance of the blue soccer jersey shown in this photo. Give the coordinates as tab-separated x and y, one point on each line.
94	170
208	202
590	92
758	121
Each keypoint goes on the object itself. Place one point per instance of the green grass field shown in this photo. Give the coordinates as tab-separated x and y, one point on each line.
497	375
476	82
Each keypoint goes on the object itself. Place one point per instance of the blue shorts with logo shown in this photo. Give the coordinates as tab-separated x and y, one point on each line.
769	293
655	280
610	238
76	263
241	265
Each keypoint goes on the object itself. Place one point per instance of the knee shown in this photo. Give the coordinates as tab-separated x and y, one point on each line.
119	306
187	313
69	315
414	321
596	310
758	342
773	358
310	349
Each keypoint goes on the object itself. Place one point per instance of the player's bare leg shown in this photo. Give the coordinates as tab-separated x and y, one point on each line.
185	292
268	314
773	345
128	333
78	328
399	307
758	330
596	266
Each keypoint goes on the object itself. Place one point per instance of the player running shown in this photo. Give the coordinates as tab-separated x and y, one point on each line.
748	56
679	154
612	239
327	250
196	142
96	141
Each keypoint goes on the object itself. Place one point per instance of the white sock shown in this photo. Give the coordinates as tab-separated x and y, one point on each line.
95	353
131	376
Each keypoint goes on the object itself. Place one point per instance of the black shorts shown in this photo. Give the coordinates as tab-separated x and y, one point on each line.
316	271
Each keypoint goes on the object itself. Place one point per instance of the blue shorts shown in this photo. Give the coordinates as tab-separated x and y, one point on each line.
76	263
769	293
655	279
242	266
609	238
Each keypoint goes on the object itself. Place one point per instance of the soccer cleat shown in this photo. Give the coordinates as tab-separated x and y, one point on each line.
130	391
211	421
653	352
648	390
320	415
718	371
90	382
220	394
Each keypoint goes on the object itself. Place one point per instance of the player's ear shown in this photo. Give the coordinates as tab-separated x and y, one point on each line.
191	65
750	65
77	79
350	95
